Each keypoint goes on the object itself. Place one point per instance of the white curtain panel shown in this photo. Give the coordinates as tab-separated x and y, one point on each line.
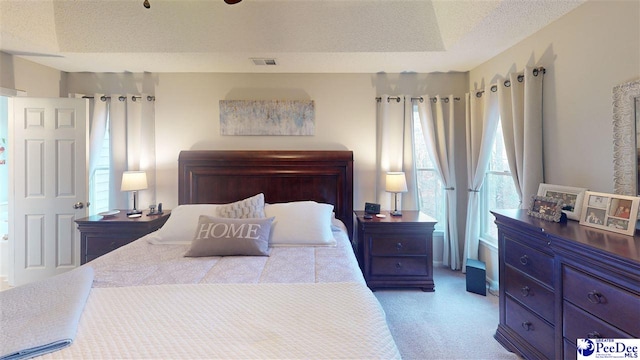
97	129
521	115
147	154
409	200
119	159
437	121
482	121
390	144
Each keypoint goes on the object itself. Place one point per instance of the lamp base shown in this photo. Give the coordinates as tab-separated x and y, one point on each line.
134	212
396	213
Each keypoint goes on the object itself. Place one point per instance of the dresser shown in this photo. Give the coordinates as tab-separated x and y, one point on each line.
560	282
100	235
397	251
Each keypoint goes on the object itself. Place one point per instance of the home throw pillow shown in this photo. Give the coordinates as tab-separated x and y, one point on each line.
252	207
224	237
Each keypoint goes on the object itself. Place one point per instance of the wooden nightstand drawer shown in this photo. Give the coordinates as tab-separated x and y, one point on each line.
97	247
399	246
397	251
530	261
602	299
530	293
413	265
100	235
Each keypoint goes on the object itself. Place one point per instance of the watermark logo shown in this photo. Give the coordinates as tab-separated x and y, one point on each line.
588	349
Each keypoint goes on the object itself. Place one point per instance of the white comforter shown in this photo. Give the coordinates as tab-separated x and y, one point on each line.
142	263
239	321
150	302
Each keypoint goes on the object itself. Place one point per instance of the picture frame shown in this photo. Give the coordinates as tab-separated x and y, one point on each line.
546	208
611	212
572	198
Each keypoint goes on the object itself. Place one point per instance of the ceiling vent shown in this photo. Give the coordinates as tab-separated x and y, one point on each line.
264	61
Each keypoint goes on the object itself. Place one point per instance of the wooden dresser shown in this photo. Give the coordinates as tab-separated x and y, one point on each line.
397	250
560	282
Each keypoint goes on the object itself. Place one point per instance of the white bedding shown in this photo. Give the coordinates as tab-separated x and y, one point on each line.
305	302
142	263
241	321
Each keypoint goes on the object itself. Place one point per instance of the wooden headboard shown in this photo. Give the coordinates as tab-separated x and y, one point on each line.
216	177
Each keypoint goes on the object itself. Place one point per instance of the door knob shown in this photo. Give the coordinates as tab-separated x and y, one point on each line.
78	205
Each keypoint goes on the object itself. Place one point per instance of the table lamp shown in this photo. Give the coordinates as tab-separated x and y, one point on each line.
396	183
134	181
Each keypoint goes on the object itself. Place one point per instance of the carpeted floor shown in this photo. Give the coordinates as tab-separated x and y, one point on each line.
449	323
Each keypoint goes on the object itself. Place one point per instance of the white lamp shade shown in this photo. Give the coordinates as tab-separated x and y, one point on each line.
134	180
396	182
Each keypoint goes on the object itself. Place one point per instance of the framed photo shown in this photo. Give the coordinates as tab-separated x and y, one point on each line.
571	197
546	208
611	212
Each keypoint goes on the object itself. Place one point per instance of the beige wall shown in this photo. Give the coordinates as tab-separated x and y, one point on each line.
586	53
187	113
35	79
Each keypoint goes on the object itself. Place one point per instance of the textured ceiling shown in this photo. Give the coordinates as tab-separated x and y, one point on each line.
304	36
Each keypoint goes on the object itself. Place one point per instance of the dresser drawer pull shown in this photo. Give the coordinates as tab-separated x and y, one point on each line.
398	265
112	245
524	259
596	298
527	325
594	335
525	291
399	246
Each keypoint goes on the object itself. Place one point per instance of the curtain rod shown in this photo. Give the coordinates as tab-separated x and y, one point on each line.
507	83
122	97
421	99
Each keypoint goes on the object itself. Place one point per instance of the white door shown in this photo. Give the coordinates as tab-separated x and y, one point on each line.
48	186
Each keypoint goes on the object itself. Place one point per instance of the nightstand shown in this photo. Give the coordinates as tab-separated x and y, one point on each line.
99	235
397	251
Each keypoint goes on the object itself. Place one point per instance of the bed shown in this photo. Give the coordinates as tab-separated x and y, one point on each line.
306	298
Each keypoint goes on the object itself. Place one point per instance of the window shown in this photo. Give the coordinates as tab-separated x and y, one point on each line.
498	189
431	199
99	180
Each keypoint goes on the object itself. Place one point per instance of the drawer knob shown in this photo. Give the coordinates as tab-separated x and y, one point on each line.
596	298
399	246
524	259
398	265
527	325
525	291
594	335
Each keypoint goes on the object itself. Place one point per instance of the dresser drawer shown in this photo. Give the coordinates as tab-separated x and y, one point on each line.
530	327
530	261
578	324
409	265
530	293
602	299
416	245
569	349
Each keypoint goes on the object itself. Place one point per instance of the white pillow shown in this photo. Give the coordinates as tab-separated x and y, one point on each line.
301	223
181	224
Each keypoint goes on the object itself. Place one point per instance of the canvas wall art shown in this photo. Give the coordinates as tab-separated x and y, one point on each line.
267	117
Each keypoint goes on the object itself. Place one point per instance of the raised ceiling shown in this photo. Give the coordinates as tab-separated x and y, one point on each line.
303	36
